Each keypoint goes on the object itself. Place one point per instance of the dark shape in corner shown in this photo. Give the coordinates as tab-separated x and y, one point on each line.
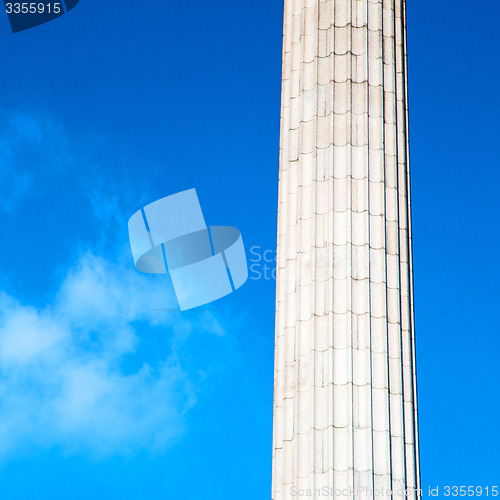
70	4
27	15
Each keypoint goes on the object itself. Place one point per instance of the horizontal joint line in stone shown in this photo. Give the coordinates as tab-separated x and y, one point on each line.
307	252
344	313
325	85
331	348
333	385
317	148
354	427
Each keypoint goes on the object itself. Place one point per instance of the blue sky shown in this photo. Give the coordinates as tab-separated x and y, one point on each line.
116	104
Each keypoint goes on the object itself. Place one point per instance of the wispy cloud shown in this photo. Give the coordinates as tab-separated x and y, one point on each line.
61	376
65	369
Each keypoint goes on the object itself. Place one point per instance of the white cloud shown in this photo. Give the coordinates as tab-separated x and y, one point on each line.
61	377
27	336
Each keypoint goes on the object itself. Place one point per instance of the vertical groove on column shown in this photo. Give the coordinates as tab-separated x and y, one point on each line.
409	466
385	245
300	409
350	134
410	260
277	476
368	24
369	263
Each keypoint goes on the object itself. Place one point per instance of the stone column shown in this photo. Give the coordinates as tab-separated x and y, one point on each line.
345	411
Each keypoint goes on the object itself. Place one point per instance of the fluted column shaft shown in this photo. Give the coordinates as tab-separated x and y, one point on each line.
345	389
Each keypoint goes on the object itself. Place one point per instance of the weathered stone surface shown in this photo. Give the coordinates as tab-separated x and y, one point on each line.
345	399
